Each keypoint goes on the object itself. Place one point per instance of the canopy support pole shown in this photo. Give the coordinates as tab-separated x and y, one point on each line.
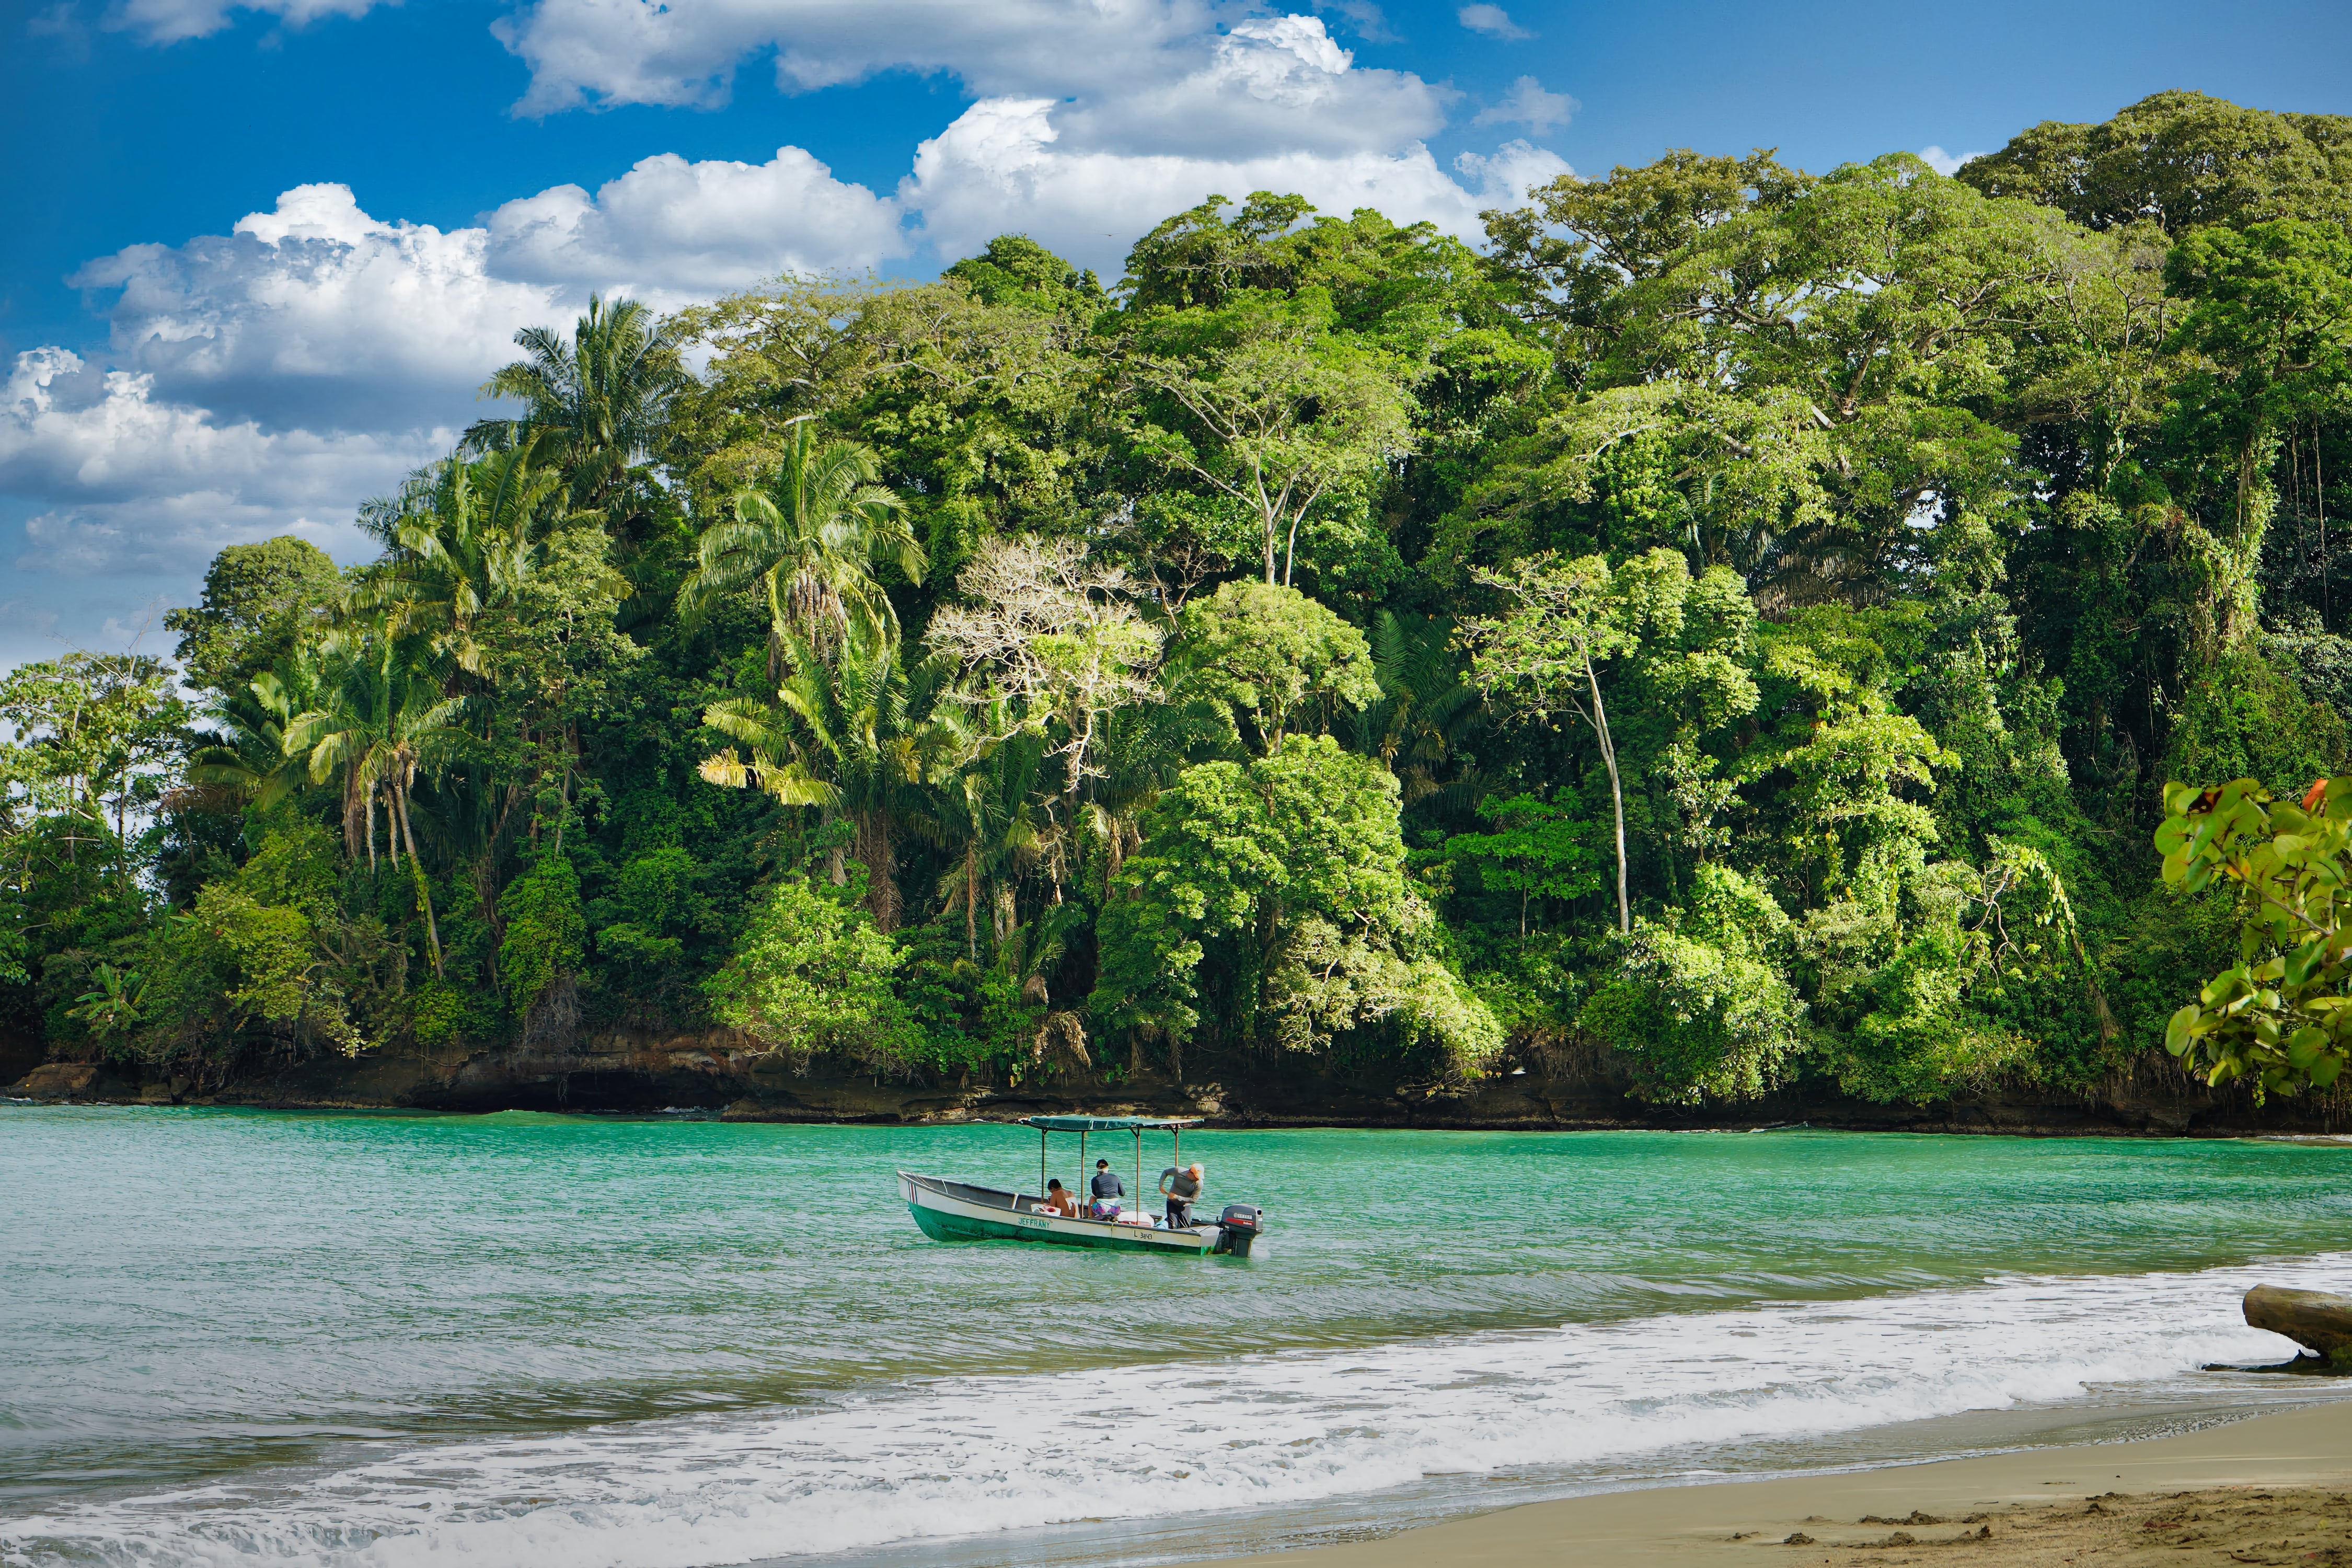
1041	1164
1082	1166
1138	1167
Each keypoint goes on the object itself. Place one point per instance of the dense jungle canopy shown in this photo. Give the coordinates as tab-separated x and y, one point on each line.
1738	620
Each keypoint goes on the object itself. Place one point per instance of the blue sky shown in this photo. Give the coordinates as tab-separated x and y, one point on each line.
259	256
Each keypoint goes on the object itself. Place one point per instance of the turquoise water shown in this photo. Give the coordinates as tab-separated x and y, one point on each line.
318	1337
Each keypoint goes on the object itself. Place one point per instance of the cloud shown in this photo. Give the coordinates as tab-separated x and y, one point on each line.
137	485
1529	105
1491	20
1001	166
171	21
686	52
1138	76
318	314
1944	162
1272	86
1505	176
669	230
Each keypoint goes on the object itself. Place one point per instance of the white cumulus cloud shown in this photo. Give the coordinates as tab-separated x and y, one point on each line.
267	380
669	230
1000	166
1137	75
318	314
1279	85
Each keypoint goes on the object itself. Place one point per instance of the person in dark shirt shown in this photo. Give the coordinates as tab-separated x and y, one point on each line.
1108	1189
1181	1185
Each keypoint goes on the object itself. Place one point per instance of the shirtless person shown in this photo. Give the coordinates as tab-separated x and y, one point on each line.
1060	1200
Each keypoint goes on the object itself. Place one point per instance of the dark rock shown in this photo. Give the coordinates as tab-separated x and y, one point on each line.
2319	1322
58	1080
1800	1539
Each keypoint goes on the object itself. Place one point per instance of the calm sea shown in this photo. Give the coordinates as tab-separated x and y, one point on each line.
255	1337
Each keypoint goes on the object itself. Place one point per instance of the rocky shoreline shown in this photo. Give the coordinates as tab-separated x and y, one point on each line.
1539	1091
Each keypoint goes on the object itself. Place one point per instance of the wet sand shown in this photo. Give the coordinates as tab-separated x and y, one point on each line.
2270	1489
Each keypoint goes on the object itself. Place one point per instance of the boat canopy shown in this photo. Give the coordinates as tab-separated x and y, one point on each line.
1108	1124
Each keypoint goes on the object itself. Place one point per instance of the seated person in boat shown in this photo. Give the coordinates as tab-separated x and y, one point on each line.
1059	1200
1181	1185
1108	1189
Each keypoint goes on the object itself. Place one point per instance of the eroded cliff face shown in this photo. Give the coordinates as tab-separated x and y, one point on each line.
1538	1090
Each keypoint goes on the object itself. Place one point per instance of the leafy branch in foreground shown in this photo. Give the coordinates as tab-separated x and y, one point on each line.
2280	1017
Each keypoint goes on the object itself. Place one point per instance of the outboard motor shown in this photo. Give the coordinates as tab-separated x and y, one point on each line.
1237	1227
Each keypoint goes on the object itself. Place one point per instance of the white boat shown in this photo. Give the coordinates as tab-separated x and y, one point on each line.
963	1211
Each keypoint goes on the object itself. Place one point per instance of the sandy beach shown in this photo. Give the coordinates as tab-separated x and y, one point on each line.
2270	1489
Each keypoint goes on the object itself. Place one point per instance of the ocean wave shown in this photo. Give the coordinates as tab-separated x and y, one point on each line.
924	1459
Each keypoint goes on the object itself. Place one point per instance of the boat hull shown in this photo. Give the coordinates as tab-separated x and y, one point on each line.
959	1211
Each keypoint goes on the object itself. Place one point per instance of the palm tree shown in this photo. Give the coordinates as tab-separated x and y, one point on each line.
381	719
860	736
600	399
993	810
1425	710
463	537
246	761
809	537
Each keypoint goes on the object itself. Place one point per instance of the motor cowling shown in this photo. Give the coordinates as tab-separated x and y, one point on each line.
1237	1227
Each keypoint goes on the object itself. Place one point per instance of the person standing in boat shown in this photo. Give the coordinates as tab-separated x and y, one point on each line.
1108	1189
1181	1185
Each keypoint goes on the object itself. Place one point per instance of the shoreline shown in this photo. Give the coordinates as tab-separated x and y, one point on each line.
1923	1125
2265	1489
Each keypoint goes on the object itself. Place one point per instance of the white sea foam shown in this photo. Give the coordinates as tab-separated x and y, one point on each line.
963	1456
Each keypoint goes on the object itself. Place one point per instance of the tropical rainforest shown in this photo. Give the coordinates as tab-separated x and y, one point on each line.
1738	621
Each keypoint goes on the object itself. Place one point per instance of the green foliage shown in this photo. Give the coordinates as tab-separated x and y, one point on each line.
1537	850
264	958
260	602
1270	657
441	1015
1014	269
1762	601
1265	400
1270	905
1703	1007
2279	1019
2182	159
2250	719
810	974
546	932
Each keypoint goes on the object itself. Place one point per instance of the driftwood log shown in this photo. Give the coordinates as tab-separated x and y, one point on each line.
2312	1319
